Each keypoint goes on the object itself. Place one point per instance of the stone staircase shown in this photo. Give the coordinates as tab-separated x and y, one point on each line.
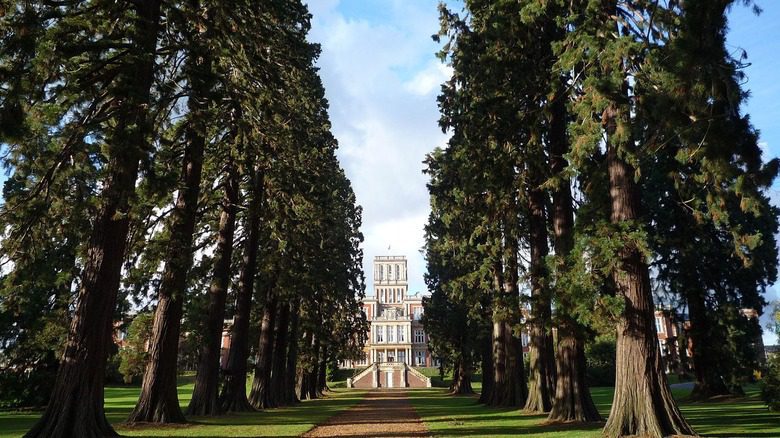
389	375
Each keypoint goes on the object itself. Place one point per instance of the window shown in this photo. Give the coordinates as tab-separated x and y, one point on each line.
419	358
380	356
418	311
390	333
419	336
402	356
661	345
397	272
525	339
401	334
436	362
380	334
659	324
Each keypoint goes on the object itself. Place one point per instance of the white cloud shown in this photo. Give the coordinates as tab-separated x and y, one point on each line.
381	79
430	79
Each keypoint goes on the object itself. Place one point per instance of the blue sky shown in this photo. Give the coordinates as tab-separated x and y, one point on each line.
381	77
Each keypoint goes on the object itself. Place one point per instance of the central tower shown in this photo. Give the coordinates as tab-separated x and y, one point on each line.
390	282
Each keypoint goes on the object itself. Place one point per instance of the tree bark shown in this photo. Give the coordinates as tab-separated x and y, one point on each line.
462	383
509	388
303	373
643	403
75	408
572	400
499	343
280	356
541	376
487	373
312	391
259	396
288	395
205	395
159	399
233	397
322	372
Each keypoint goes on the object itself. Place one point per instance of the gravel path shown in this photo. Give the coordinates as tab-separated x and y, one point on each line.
382	413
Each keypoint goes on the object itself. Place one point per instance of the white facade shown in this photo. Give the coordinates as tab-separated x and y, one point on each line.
396	332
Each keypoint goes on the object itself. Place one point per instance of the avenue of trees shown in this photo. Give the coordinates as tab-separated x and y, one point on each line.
599	165
172	160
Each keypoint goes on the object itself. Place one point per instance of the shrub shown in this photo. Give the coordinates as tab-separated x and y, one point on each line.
600	358
770	384
133	355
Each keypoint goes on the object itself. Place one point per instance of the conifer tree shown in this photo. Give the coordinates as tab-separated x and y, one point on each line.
108	102
159	400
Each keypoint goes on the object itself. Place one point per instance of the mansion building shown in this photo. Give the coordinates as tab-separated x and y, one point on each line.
397	340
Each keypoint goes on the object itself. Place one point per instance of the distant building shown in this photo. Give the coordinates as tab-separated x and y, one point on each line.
396	339
669	326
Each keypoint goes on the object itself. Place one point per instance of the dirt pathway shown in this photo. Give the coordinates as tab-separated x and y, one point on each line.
382	413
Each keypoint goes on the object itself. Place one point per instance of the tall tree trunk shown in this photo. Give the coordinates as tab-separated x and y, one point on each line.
540	373
279	365
312	390
488	377
292	356
709	382
75	408
462	383
233	397
259	396
499	341
509	377
205	399
572	400
303	373
643	403
159	399
322	372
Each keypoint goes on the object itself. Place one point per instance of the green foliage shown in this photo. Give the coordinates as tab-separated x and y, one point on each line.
134	355
600	358
770	384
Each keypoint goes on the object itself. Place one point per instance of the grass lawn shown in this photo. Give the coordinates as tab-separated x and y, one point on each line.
461	416
286	422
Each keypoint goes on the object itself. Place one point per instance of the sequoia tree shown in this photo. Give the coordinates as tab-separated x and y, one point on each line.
76	405
159	399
